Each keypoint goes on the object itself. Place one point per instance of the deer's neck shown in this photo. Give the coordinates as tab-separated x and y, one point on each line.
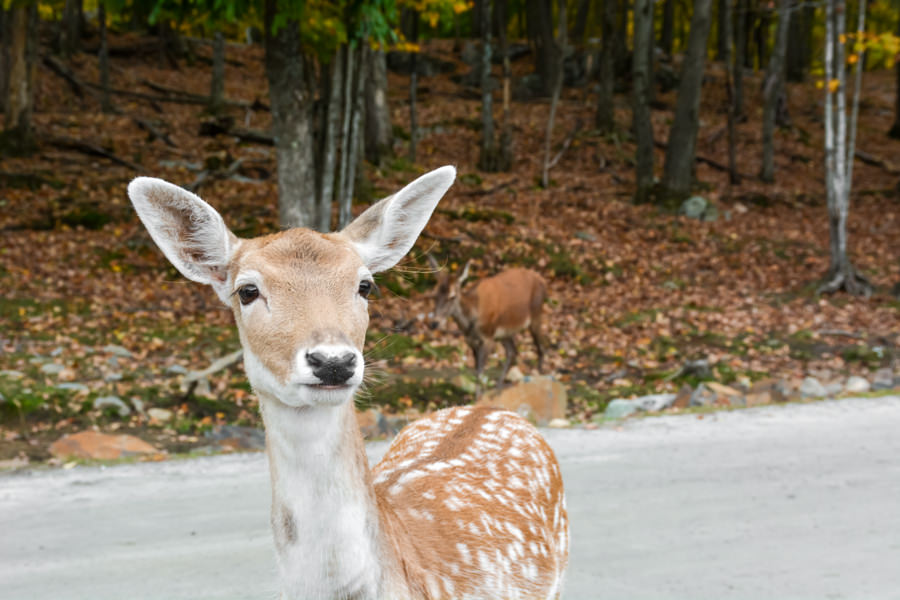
328	532
465	312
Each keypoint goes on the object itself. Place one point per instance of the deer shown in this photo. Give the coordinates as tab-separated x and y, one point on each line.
467	502
495	309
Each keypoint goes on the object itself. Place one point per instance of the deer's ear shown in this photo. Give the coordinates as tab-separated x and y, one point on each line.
386	231
189	231
464	274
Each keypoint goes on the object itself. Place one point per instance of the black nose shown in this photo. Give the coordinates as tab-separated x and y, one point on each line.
332	370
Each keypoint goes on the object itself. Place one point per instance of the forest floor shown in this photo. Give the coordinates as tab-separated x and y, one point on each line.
635	290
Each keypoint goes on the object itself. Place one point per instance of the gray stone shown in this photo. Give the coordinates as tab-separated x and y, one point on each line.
138	404
74	387
857	385
702	396
113	361
112	377
620	408
52	368
694	207
176	370
834	388
812	388
655	402
883	379
115	402
37	360
11	374
57	351
117	350
163	415
236	437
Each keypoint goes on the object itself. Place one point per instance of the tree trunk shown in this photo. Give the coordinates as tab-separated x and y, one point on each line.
668	27
4	57
605	119
353	144
487	161
378	133
841	273
505	163
579	27
740	57
105	102
70	27
546	52
643	129
730	66
749	20
346	119
19	137
330	123
763	25
722	26
557	88
895	128
217	84
413	82
772	88
678	170
291	92
799	46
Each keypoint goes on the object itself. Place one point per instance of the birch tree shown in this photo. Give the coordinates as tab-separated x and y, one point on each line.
839	150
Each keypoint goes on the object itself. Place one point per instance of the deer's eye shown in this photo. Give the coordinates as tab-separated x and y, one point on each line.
365	288
248	293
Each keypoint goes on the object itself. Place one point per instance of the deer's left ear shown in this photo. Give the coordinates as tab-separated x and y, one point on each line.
189	231
386	231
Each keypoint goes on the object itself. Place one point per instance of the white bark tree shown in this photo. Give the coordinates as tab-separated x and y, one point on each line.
839	150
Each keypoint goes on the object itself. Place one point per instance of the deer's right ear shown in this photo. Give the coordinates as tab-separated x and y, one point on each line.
189	231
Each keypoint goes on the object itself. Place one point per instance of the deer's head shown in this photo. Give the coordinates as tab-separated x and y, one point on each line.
447	293
299	297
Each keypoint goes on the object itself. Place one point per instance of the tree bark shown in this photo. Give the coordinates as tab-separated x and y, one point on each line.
546	52
740	56
894	132
772	88
19	135
346	119
722	26
217	84
70	27
579	27
730	65
105	102
487	160
506	132
292	93
379	136
413	82
328	156
557	89
677	172
762	36
354	143
643	129
668	27
799	46
4	57
605	119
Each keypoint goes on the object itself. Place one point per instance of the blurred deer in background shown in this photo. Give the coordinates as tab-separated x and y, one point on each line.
494	309
467	502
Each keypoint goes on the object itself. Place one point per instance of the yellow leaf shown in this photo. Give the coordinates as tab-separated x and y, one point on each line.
852	59
833	85
820	84
842	38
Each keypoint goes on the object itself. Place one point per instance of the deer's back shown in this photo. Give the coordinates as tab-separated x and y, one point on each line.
509	301
480	493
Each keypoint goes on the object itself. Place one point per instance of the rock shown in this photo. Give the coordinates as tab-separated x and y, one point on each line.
113	361
37	360
465	383
683	398
883	379
834	388
514	375
163	415
697	368
655	402
110	377
115	402
857	385
694	207
73	387
767	391
138	405
619	409
237	437
52	369
543	397
56	351
811	387
11	374
116	350
13	464
703	396
100	446
176	370
559	423
725	395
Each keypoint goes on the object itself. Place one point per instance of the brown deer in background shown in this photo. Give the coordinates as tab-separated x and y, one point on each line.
494	309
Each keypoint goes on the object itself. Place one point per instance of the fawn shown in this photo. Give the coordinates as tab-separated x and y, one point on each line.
467	502
496	308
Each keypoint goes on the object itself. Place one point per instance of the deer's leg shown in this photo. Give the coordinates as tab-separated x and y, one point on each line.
535	330
510	346
481	354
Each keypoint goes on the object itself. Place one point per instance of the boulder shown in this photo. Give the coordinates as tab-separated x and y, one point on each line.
116	350
52	369
538	399
883	379
100	446
163	415
619	409
811	387
655	402
115	402
857	385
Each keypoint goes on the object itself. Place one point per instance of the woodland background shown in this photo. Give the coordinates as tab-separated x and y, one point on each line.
578	129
